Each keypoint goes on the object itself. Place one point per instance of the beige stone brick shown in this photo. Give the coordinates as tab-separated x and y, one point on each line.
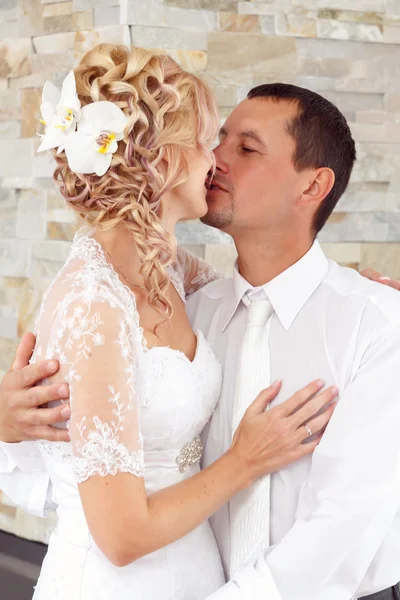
392	102
236	57
243	23
360	5
349	31
139	13
57	24
168	38
194	61
198	20
31	216
62	61
221	258
30	111
255	8
298	24
384	258
15	57
82	20
391	35
15	258
58	9
226	95
229	5
85	40
10	129
55	43
87	4
10	107
9	149
352	16
108	15
36	80
60	231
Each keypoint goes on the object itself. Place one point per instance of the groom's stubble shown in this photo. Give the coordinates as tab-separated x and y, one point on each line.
220	219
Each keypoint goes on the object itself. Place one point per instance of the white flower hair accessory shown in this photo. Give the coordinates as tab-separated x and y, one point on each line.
60	113
92	135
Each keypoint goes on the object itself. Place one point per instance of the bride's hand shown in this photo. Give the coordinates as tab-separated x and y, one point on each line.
266	441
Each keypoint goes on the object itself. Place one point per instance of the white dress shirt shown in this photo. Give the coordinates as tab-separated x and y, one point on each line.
335	521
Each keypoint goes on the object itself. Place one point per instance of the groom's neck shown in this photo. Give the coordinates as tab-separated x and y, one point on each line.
263	257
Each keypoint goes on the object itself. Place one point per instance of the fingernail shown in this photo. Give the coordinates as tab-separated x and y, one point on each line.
320	382
276	383
335	390
383	278
63	391
52	366
66	412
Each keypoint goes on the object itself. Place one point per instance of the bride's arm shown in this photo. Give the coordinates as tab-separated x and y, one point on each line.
194	271
100	353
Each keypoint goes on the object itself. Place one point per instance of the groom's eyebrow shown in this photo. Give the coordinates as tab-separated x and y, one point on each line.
248	133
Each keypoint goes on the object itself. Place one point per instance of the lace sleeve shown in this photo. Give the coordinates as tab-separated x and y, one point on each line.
195	271
98	358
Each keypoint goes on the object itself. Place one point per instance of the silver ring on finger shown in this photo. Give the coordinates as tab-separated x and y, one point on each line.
309	432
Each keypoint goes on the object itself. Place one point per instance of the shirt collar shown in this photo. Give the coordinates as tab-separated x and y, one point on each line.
288	292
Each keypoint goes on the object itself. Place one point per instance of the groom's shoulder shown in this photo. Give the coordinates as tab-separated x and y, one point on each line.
355	290
210	294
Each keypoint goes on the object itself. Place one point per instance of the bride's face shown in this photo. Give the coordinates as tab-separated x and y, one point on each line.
188	200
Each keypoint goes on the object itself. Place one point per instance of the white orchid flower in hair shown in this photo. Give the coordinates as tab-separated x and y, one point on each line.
60	113
100	128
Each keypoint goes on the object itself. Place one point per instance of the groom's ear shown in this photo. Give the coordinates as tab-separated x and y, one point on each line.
317	187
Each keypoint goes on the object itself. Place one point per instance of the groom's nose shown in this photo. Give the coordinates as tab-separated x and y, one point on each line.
220	159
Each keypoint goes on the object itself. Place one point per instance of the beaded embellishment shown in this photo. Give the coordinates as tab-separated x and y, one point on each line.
190	454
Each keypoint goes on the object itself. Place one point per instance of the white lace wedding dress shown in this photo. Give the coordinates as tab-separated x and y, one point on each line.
143	414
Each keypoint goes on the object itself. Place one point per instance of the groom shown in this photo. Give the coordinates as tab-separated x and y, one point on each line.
326	527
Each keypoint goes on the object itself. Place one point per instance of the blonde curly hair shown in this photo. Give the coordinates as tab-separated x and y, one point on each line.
169	110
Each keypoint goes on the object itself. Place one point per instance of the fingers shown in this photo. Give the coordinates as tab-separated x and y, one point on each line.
313	406
50	416
24	351
42	394
264	398
51	434
379	278
393	283
33	374
317	424
299	398
371	274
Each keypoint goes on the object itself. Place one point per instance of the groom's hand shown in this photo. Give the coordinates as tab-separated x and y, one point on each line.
379	278
21	414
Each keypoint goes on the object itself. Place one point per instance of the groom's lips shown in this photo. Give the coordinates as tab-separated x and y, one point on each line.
215	186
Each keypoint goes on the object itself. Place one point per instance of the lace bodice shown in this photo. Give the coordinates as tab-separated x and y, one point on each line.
126	399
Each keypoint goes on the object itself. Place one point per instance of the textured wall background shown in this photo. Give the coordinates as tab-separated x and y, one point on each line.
347	51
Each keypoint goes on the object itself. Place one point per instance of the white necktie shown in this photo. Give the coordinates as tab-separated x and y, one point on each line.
249	510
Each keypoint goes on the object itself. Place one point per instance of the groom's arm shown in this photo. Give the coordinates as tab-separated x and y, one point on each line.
350	499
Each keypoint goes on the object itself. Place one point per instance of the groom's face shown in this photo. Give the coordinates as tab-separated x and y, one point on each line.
255	184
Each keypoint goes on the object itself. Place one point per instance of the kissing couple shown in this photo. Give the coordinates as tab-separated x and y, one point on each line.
200	437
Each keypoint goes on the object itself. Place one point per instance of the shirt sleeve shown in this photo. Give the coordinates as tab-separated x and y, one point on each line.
97	345
350	499
24	479
194	271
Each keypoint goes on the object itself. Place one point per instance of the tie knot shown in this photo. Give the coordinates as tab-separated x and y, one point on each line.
258	313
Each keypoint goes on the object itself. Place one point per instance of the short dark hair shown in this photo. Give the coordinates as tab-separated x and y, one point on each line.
322	137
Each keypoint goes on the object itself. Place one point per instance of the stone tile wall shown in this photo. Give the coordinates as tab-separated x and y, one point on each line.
347	51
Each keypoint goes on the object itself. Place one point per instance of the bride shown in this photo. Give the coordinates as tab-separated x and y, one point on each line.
129	128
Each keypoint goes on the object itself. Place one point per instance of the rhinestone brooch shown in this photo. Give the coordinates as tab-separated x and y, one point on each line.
190	454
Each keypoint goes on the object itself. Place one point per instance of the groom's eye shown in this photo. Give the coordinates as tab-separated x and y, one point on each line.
247	150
